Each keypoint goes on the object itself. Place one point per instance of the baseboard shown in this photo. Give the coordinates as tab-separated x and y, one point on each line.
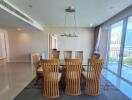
20	61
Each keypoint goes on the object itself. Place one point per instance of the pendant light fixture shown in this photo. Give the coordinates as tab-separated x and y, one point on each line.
71	10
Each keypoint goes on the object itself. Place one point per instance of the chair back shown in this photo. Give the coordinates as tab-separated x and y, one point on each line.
51	65
36	57
93	76
51	77
95	67
96	56
79	54
67	54
2	61
73	75
55	54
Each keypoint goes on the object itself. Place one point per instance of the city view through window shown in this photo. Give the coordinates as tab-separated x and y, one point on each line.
115	50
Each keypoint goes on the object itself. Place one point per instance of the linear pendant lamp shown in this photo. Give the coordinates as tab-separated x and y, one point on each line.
70	10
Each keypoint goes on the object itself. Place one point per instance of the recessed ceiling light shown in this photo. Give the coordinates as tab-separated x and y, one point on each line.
91	25
19	29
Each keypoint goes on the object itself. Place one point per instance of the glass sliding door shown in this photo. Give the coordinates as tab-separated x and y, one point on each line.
127	55
114	46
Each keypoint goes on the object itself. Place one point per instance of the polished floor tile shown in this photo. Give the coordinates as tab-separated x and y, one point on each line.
126	70
123	86
13	78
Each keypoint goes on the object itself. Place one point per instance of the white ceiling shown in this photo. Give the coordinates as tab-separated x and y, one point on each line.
51	12
10	22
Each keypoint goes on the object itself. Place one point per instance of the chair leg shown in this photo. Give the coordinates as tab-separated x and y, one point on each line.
37	79
92	88
51	90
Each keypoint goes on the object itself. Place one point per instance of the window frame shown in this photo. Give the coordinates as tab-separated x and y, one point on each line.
124	30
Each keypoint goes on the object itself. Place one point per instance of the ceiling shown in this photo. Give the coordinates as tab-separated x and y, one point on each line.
51	12
10	22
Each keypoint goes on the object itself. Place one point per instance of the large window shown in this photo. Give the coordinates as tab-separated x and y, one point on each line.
127	55
120	49
114	46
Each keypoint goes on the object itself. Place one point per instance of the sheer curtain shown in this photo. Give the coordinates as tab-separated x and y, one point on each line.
97	35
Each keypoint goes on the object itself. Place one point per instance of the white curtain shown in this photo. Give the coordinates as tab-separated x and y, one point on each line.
97	46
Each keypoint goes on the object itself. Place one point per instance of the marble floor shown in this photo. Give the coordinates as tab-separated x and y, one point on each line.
126	70
122	85
13	78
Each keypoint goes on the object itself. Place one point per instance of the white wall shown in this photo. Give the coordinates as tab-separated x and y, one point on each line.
84	42
22	43
3	45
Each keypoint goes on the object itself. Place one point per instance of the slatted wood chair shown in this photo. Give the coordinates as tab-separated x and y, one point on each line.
52	78
79	54
96	56
73	75
2	61
38	68
50	54
55	54
35	56
67	54
92	76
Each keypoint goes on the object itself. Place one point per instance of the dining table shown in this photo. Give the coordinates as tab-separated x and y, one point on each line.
63	64
84	63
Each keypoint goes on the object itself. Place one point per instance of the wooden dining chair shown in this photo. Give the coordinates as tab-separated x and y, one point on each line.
92	76
36	62
52	78
73	75
55	54
79	54
67	54
2	61
50	53
35	56
96	56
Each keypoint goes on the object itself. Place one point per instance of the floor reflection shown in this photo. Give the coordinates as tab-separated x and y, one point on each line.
125	87
13	78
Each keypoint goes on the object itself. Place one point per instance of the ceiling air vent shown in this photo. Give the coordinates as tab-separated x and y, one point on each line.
10	8
2	2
